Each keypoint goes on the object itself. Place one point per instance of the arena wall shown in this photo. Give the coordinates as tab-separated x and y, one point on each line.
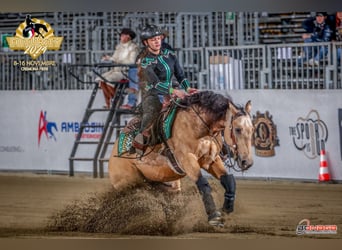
292	127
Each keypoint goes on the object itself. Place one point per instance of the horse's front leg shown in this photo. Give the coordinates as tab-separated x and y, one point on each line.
193	170
218	170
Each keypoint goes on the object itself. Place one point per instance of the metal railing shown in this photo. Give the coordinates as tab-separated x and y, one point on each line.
276	66
50	72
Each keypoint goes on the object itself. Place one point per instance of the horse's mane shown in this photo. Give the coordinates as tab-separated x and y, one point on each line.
214	104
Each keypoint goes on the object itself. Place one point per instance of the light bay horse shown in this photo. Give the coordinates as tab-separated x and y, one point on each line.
201	117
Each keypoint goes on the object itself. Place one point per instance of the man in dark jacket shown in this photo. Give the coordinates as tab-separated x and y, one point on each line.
318	30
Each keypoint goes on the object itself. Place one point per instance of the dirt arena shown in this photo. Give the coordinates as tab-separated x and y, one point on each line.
57	206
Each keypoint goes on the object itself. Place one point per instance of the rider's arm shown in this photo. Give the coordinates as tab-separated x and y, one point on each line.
179	74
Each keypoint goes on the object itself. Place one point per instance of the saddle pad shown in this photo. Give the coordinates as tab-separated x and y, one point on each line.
125	141
128	134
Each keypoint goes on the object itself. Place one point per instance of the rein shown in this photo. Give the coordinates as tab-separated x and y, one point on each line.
230	158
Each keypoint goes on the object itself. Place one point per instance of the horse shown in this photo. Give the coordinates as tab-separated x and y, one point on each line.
32	29
49	127
203	115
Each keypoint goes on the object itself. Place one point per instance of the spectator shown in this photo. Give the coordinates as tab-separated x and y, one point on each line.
125	53
318	30
338	34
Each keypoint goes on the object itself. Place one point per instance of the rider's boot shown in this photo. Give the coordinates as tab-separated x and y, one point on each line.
228	182
140	142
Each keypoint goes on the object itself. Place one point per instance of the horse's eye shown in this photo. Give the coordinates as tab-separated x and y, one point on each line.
238	130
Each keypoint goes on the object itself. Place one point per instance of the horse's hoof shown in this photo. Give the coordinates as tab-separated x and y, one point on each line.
228	210
228	206
215	219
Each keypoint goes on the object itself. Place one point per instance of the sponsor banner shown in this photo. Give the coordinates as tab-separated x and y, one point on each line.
340	128
38	130
292	126
40	127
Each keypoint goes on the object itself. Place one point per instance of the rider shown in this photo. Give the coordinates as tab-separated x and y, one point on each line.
158	65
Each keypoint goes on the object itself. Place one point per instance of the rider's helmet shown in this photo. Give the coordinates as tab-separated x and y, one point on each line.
129	32
150	31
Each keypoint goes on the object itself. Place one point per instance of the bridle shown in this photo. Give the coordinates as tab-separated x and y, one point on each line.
230	158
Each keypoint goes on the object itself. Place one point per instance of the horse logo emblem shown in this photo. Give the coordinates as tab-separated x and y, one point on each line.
34	37
46	127
33	29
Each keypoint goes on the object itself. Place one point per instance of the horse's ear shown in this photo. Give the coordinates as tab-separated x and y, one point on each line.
248	107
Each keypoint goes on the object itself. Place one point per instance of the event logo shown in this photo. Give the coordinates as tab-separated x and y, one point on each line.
46	127
265	135
310	134
304	227
35	37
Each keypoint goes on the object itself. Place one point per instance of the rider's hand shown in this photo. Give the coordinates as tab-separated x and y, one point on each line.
192	91
179	93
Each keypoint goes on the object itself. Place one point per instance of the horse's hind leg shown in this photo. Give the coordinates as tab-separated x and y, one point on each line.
214	216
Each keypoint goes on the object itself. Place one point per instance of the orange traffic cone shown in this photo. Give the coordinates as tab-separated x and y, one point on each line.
323	169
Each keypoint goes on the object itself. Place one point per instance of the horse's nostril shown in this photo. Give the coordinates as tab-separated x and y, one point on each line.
245	165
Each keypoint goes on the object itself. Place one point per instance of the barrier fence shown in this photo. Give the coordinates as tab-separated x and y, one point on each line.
276	66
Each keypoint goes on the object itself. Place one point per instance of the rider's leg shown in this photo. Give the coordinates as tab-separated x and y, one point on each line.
228	182
151	107
209	204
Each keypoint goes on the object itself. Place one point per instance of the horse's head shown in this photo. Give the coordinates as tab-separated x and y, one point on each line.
238	134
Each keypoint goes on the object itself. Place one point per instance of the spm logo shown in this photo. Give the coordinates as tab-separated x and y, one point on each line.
310	134
46	127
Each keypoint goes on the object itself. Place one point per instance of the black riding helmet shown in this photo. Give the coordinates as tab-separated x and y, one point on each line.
129	32
150	31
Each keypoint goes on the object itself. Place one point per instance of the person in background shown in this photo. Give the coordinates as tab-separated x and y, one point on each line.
338	34
318	30
125	53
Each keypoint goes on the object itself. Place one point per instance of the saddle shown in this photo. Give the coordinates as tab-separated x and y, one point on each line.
160	132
